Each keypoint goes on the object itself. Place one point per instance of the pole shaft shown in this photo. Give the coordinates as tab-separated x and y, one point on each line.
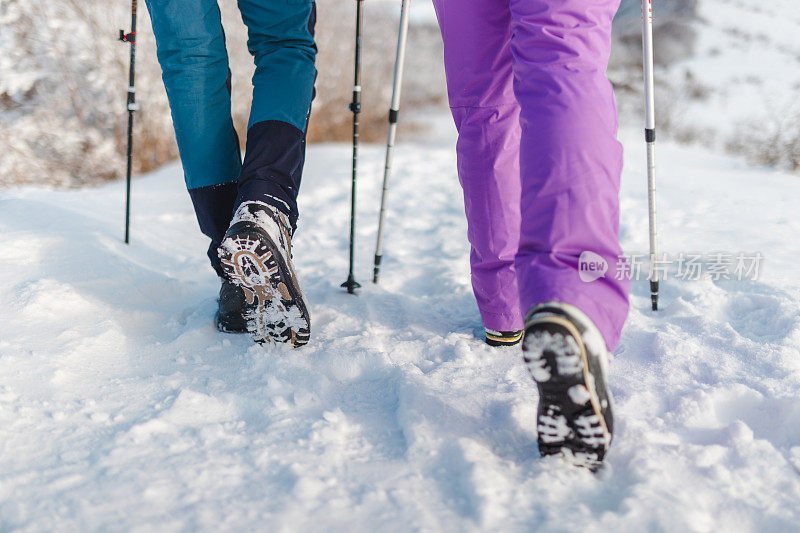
402	40
131	38
650	139
351	285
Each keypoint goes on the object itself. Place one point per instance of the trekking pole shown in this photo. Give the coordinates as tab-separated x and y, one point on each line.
650	139
132	108
355	106
402	38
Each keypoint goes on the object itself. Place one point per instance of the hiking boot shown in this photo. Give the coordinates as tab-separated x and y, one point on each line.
256	256
230	313
568	358
503	338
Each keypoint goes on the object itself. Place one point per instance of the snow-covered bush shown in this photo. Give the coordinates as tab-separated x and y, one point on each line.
422	85
774	140
63	79
725	74
675	36
63	83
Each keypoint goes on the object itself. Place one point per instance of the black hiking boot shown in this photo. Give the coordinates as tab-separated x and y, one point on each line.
230	314
256	256
503	338
567	357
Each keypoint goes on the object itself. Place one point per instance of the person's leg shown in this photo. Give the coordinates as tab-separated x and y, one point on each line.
194	63
256	252
281	39
477	37
571	160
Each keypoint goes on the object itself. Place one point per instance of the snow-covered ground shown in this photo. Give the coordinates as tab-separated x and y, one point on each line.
122	408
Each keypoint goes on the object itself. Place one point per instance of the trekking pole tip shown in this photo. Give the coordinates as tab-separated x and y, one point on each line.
351	285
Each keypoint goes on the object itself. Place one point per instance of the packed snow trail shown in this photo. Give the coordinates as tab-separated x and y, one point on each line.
122	408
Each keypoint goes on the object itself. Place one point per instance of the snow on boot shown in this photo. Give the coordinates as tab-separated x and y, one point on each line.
567	357
256	255
232	306
503	338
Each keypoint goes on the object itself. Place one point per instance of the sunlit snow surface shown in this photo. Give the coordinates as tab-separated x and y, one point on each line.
121	406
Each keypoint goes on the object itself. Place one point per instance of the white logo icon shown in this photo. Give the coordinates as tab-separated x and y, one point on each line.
591	267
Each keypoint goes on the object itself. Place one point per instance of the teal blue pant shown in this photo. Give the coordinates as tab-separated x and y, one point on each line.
194	62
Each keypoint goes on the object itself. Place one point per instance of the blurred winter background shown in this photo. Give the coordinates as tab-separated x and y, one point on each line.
728	75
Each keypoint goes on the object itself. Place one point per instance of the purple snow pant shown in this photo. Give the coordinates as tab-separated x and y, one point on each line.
538	155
